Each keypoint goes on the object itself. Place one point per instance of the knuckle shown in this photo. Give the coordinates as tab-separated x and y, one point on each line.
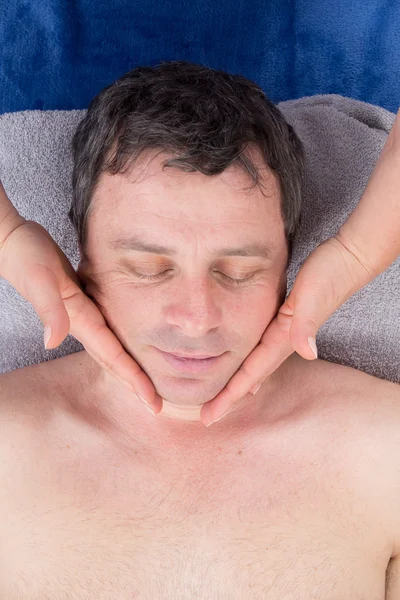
113	365
284	321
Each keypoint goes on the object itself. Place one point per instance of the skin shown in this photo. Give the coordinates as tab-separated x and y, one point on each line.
192	308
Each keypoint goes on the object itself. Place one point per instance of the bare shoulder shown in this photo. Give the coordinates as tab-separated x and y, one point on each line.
21	390
336	378
43	383
356	398
30	399
344	390
32	403
362	412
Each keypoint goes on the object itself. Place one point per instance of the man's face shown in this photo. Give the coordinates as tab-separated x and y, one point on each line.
185	299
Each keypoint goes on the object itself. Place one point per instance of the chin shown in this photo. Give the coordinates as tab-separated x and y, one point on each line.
185	391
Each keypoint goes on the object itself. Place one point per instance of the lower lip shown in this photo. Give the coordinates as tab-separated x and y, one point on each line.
191	365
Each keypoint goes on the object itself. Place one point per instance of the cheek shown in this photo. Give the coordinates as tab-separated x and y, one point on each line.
132	306
110	293
253	312
262	312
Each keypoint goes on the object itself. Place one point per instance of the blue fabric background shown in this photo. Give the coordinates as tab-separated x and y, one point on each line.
57	54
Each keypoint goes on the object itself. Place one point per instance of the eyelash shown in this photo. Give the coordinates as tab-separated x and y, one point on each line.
160	275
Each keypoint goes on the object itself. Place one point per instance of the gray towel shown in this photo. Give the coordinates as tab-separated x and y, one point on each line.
343	139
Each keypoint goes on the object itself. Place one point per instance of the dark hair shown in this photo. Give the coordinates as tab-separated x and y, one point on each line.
203	118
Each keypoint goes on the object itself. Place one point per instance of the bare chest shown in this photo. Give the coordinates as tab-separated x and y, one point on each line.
269	527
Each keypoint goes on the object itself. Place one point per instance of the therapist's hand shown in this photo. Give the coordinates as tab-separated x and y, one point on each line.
38	269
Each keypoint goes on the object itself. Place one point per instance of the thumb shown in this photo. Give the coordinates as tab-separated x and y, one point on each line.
327	278
42	291
303	306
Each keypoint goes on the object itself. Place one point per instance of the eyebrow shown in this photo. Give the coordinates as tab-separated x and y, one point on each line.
134	243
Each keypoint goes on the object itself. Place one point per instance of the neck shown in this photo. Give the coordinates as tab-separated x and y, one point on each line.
109	404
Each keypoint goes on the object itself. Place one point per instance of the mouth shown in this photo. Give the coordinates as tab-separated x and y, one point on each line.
191	356
190	364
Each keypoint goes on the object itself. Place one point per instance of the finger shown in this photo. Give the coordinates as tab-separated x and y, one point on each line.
42	291
273	348
90	328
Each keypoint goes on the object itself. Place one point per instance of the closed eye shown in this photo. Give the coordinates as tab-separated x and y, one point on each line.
160	276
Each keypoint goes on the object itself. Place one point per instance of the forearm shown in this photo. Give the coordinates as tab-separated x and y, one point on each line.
9	216
372	231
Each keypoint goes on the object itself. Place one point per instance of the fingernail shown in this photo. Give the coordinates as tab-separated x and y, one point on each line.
128	385
46	335
219	418
313	346
147	405
255	389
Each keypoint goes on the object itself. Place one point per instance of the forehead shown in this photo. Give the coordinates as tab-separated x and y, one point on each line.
149	195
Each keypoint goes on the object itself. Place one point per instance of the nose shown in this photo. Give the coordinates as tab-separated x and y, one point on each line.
192	306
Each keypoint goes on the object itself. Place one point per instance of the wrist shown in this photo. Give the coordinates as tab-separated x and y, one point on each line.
361	265
9	223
